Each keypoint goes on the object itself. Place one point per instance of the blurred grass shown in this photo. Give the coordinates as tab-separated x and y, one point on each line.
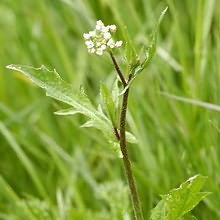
49	163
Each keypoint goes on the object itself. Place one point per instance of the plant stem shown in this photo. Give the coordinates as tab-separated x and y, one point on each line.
118	70
126	161
122	138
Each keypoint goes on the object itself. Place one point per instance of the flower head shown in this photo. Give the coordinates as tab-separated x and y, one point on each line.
100	39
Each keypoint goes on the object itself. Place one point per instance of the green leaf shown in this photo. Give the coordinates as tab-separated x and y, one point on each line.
186	197
7	193
158	213
23	157
69	111
153	43
108	104
195	102
181	200
188	217
59	89
55	87
151	49
130	52
131	138
115	94
89	124
115	146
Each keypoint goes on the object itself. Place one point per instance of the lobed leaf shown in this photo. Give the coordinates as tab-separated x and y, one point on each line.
181	200
60	90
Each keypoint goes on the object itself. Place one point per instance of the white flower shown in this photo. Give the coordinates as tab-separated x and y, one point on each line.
107	35
112	27
105	29
100	39
111	43
92	33
98	44
86	36
99	52
99	25
89	44
118	43
99	22
103	47
91	50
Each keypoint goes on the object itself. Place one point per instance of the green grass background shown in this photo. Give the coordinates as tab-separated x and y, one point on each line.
52	169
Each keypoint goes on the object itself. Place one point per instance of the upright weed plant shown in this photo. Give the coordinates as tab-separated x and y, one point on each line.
110	115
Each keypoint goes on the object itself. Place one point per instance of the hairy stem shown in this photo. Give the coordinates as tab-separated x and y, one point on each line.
122	138
118	70
126	161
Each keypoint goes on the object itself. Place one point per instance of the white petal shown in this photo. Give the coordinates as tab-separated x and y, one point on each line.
103	47
92	33
98	27
92	50
118	43
100	23
105	29
89	42
111	43
107	35
112	27
98	44
99	52
86	36
90	46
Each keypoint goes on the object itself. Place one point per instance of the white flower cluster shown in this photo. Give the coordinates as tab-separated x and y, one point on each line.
100	39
